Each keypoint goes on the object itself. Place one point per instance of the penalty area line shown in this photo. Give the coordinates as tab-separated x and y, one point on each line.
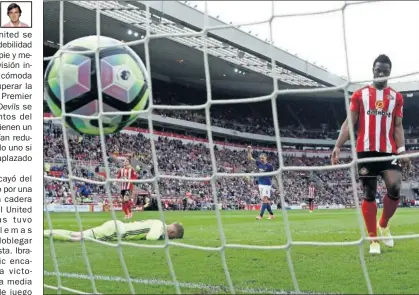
212	288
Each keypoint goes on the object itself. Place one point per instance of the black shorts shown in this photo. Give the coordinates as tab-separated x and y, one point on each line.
310	200
125	192
374	169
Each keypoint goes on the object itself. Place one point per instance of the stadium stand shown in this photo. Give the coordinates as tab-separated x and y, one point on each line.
191	157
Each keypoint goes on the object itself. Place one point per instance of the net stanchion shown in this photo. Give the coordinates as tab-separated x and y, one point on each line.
278	174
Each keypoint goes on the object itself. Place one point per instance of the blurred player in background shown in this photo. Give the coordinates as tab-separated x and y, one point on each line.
311	196
127	172
151	230
379	111
264	182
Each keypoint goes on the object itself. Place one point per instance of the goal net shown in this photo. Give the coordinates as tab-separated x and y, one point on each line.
218	265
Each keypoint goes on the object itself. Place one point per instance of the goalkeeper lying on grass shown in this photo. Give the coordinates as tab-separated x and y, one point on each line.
151	229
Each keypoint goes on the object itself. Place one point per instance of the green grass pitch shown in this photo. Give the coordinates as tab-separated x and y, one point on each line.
318	269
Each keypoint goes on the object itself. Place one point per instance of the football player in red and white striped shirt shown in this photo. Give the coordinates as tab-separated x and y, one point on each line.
127	172
311	196
378	110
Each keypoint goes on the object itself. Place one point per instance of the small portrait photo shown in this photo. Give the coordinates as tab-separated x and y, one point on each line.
16	14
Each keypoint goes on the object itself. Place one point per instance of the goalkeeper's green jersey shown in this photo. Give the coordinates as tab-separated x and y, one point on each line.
151	229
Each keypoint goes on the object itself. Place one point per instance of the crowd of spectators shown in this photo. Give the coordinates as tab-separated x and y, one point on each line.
297	118
264	126
193	159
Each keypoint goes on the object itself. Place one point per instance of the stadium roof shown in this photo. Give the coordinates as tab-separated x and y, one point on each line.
239	62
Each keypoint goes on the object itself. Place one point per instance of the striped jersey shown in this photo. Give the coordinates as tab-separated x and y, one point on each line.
127	173
311	192
377	112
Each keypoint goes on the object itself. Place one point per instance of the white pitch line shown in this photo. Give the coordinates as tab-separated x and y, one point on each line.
212	288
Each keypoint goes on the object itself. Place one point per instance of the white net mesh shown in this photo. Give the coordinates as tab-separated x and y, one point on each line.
119	246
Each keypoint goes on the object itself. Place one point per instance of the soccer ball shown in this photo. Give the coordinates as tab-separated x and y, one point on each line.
123	84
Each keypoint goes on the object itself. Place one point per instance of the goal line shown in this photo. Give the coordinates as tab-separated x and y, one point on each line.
202	287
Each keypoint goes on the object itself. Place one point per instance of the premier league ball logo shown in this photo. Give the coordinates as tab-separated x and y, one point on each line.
124	75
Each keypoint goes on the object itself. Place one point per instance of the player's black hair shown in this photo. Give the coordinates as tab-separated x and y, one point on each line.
382	58
13	6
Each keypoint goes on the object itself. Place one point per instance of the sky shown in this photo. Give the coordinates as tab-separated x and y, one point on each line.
390	28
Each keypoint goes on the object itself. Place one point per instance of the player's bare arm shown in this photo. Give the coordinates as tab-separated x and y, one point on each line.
344	135
400	142
249	154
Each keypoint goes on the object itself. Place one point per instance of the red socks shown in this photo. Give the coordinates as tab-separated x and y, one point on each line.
369	210
389	207
125	208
